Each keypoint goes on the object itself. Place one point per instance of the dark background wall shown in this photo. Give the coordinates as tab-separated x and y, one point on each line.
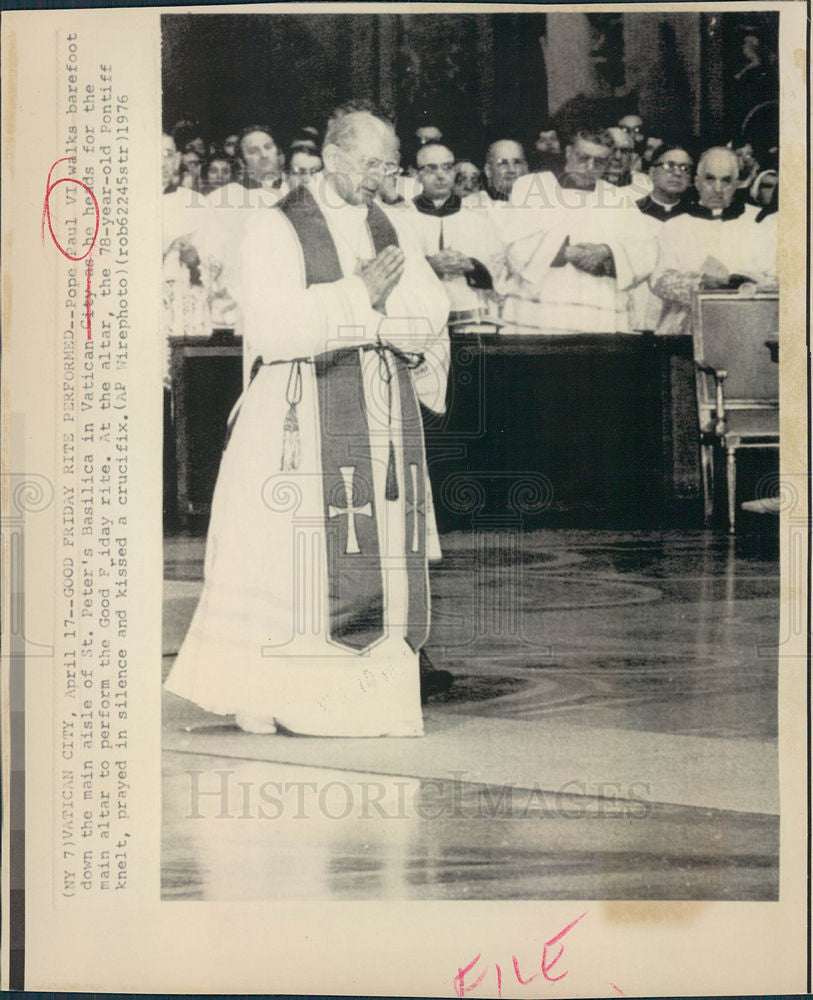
478	76
469	73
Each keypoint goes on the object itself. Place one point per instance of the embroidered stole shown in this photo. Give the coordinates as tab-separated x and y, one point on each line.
355	577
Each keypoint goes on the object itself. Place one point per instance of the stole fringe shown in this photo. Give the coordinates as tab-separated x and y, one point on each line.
391	488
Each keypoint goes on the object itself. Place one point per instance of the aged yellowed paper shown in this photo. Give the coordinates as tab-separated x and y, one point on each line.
552	834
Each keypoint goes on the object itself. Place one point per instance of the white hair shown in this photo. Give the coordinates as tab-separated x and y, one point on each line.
343	127
719	149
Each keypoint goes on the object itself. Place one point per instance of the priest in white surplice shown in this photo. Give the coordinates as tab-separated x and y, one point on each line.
717	243
316	603
459	240
575	246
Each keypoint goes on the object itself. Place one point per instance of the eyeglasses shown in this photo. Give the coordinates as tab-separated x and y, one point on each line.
506	162
305	171
437	168
376	166
592	162
675	168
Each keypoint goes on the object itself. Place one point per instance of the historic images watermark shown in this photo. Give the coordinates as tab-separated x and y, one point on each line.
221	794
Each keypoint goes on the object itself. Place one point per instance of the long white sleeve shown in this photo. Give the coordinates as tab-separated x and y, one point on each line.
284	319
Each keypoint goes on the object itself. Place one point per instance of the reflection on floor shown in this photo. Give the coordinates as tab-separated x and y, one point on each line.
611	734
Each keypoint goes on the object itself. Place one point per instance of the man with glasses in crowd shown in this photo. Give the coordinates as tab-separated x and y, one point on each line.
671	176
459	241
671	196
575	245
315	603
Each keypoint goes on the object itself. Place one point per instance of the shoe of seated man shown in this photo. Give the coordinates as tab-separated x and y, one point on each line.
255	724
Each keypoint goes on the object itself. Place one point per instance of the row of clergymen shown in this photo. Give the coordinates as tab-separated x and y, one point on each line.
566	250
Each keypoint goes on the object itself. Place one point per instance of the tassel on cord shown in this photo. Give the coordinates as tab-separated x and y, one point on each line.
291	443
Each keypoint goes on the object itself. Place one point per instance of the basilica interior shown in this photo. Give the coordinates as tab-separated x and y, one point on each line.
611	728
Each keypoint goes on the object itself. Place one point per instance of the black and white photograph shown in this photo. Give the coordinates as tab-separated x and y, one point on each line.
405	530
471	469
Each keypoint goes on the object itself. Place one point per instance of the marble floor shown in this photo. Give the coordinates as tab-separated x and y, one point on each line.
611	734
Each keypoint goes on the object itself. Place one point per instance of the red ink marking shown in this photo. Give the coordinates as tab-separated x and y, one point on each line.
617	990
460	986
520	980
546	965
46	217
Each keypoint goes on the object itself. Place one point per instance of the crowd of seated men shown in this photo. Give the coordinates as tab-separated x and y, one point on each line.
603	229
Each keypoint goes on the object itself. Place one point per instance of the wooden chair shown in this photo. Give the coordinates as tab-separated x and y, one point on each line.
737	381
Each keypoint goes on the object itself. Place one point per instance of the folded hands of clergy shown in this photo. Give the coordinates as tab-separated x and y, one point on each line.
381	275
450	262
592	258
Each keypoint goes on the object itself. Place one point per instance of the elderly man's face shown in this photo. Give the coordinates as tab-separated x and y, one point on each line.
358	172
169	161
620	157
716	179
585	163
506	161
436	171
304	166
467	179
260	155
671	174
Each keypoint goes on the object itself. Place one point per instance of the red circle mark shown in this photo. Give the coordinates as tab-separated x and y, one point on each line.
62	250
46	217
45	204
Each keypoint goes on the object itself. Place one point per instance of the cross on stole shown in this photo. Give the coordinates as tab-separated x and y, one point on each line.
352	545
415	508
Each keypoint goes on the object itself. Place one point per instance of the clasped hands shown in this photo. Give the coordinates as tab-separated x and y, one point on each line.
592	258
450	262
381	274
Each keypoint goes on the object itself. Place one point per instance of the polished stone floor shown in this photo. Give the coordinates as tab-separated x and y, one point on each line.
611	734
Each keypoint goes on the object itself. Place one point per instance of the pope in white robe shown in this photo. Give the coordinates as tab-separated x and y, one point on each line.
272	640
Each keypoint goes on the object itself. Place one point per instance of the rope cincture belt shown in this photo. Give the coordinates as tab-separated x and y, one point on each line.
355	574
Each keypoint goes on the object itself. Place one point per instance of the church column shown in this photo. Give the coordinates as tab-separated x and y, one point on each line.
712	108
567	58
485	70
362	43
662	59
388	43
